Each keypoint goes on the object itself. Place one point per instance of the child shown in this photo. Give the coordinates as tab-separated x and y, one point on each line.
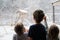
53	33
37	31
19	29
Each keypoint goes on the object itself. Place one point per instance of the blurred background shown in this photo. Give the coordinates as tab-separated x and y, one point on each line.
14	11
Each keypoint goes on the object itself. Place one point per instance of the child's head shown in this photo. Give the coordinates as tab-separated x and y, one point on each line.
53	31
19	29
38	16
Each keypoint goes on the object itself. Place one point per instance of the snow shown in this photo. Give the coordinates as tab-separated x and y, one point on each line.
6	32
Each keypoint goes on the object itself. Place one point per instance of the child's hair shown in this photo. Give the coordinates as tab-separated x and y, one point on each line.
53	31
19	28
38	15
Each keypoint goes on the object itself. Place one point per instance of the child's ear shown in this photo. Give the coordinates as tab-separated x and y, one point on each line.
44	17
24	29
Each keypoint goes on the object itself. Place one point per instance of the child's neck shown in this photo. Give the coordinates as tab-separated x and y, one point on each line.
37	23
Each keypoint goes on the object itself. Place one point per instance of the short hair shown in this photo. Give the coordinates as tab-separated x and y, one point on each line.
19	29
53	31
38	15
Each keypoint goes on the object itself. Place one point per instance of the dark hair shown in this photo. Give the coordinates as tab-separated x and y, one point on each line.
19	29
38	15
53	31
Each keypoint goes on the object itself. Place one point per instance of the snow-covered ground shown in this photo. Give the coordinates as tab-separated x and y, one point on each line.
6	32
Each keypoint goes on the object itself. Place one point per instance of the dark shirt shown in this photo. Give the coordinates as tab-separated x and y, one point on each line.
37	32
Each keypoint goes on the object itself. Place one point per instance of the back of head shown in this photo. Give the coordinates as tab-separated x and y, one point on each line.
38	15
19	29
53	31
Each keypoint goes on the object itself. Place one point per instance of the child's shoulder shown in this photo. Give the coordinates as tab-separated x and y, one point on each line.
32	26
